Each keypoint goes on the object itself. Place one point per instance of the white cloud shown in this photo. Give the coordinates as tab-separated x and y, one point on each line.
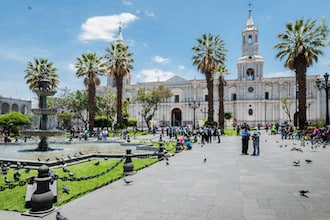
125	2
152	75
150	14
159	59
105	27
180	67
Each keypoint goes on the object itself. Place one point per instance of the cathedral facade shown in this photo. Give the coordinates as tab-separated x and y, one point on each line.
251	98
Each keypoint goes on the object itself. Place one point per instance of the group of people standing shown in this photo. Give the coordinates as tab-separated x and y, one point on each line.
254	135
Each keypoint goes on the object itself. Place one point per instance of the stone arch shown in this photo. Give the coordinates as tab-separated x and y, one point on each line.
250	74
176	117
4	108
14	107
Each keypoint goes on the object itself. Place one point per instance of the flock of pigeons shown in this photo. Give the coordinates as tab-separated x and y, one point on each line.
304	146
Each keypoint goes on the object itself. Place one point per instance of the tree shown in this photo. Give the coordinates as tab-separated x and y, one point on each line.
286	108
210	53
12	121
90	66
150	101
222	83
119	64
41	69
107	108
300	45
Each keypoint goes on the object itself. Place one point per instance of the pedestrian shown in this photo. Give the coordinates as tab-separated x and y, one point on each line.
245	136
256	142
218	134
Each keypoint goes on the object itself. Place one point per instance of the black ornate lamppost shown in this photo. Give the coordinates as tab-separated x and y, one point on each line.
204	111
141	113
194	106
324	85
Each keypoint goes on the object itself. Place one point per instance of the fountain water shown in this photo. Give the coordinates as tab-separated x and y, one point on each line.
43	92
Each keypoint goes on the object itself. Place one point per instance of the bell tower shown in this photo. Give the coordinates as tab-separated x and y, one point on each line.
250	64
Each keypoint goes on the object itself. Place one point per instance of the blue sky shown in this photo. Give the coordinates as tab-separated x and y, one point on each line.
160	33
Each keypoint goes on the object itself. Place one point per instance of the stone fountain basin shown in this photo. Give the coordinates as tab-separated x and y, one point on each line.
42	133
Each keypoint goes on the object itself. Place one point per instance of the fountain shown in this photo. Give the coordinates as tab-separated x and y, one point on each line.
43	92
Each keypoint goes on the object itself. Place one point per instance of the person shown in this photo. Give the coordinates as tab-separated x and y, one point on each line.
218	134
245	135
256	142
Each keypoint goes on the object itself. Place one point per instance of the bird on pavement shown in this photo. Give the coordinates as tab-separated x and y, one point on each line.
59	216
303	193
296	163
205	160
308	161
128	181
167	163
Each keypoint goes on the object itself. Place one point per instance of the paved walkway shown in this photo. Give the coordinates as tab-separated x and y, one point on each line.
228	186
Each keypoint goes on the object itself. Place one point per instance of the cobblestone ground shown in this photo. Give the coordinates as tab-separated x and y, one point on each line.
227	185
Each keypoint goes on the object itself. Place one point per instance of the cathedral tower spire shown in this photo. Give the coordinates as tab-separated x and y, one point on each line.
250	64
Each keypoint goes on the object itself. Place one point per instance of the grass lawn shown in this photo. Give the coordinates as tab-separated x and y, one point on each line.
104	173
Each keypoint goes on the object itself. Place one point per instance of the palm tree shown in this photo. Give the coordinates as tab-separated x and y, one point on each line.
300	46
90	66
38	70
41	76
222	83
210	53
119	65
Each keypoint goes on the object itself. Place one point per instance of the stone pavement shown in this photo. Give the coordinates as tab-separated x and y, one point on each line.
227	186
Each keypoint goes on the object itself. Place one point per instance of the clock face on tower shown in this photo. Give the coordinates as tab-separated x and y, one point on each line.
250	89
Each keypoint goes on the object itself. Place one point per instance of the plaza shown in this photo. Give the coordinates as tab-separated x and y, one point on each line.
227	186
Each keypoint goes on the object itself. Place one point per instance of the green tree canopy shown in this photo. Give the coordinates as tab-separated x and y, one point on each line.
150	101
90	67
209	55
300	47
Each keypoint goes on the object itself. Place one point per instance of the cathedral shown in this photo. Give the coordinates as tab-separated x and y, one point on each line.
251	98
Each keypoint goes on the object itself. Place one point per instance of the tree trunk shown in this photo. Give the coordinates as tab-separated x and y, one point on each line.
119	85
221	105
91	106
301	81
210	112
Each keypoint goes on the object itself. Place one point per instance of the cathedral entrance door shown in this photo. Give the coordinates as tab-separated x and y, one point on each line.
176	117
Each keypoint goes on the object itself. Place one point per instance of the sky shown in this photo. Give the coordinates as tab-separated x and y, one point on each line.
160	33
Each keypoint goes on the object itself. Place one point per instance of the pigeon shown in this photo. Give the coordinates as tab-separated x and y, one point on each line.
205	160
128	181
65	170
71	174
296	163
70	158
97	163
47	159
308	161
81	153
16	176
7	181
27	170
303	193
167	163
58	159
59	216
65	189
297	149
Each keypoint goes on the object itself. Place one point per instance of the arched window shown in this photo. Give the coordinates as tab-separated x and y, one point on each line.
250	111
250	74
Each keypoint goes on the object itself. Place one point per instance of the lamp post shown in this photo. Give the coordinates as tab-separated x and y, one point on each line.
194	106
204	111
324	85
140	113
